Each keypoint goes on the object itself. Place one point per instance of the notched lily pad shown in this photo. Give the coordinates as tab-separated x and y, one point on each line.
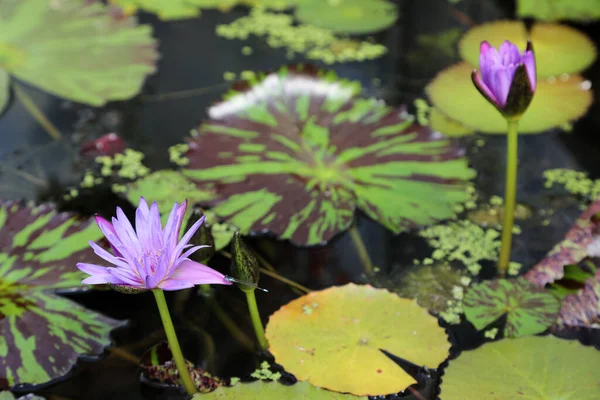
159	368
533	368
529	309
41	333
333	339
80	50
348	16
559	49
295	153
274	391
548	108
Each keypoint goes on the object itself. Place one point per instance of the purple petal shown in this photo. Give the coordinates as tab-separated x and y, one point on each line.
155	227
98	274
186	238
198	274
529	61
479	84
142	228
488	57
173	226
143	206
171	284
110	234
126	233
188	253
100	252
126	277
509	53
501	79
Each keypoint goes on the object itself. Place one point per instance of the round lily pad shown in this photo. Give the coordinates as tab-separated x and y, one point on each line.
76	49
42	334
529	309
553	10
273	391
533	368
559	49
333	339
348	16
296	152
556	102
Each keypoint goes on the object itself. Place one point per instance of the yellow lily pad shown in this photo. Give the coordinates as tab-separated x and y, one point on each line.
450	127
273	391
333	339
556	101
559	49
533	368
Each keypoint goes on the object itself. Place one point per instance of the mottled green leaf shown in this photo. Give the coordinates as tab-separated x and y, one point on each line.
274	391
532	368
553	10
76	49
295	153
42	334
529	309
348	16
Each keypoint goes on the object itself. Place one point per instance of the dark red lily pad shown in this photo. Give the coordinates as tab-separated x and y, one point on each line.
296	152
579	251
42	334
159	368
580	239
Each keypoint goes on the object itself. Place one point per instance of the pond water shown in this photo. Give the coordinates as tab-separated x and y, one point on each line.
35	167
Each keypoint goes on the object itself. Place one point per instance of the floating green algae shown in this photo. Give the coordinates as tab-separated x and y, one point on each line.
313	42
574	182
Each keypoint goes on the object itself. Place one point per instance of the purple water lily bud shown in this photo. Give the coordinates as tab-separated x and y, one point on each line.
149	256
507	78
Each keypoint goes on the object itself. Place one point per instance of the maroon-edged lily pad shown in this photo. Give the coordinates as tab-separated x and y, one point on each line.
43	334
582	238
529	309
577	251
158	368
296	152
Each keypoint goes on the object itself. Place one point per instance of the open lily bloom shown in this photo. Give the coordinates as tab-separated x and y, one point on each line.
149	257
507	78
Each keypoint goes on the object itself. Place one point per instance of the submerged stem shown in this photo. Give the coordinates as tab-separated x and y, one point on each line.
36	113
361	249
255	317
510	196
184	373
230	325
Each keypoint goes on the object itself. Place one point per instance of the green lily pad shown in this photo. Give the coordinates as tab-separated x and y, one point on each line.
295	153
559	49
273	391
556	102
529	309
41	333
446	125
348	16
533	368
552	10
76	49
333	339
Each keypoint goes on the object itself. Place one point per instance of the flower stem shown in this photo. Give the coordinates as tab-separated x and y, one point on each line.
510	196
184	374
363	254
255	317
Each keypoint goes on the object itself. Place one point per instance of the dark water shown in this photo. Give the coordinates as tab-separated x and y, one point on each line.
35	167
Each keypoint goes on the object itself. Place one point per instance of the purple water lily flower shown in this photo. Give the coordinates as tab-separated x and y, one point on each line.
149	257
507	78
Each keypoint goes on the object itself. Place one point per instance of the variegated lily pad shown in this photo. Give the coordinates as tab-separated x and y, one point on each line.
77	49
295	153
41	333
529	309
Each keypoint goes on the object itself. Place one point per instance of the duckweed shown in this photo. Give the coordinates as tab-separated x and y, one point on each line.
575	182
